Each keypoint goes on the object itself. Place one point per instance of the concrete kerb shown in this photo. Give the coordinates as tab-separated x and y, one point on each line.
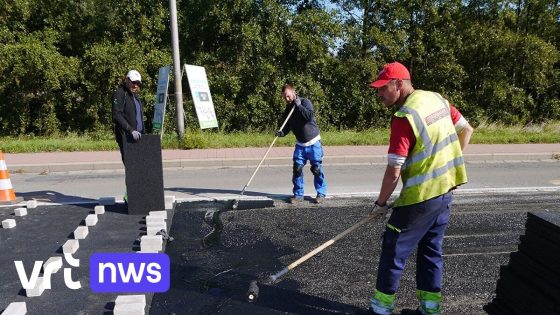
269	162
510	157
225	200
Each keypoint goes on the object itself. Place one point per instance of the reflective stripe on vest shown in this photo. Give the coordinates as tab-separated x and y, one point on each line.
436	163
430	149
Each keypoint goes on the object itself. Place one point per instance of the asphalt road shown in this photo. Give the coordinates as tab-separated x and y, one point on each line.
213	279
273	181
257	243
487	220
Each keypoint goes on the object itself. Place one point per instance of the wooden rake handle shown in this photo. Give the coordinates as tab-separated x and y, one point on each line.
270	147
328	243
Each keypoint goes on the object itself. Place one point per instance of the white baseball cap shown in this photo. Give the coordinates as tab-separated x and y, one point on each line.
134	75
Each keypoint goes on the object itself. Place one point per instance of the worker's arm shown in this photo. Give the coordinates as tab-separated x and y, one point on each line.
305	108
286	128
465	136
462	127
118	111
390	181
401	141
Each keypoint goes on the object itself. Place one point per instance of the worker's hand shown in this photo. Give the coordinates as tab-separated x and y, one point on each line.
297	101
280	133
381	210
136	135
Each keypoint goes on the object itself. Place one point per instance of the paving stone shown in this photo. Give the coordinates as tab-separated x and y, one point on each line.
131	299
8	223
151	243
20	212
91	220
38	289
55	262
70	247
31	204
99	209
159	226
154	229
169	202
128	309
151	220
81	232
161	213
15	308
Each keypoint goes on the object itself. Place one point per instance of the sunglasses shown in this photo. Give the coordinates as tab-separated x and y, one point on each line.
136	83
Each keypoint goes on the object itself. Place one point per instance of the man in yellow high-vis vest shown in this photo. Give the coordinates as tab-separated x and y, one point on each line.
428	136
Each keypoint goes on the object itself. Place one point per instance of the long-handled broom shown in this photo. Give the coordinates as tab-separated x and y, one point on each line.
253	291
236	201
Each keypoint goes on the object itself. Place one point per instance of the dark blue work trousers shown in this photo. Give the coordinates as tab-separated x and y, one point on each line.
420	225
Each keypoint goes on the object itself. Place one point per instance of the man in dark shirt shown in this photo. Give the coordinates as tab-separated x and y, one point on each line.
127	111
308	145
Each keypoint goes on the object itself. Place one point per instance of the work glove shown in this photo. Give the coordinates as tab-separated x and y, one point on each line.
297	101
136	135
280	133
381	210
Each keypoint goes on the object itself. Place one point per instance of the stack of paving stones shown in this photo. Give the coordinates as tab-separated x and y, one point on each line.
156	228
530	283
151	242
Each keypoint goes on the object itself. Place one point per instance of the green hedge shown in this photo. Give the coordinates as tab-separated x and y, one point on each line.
60	60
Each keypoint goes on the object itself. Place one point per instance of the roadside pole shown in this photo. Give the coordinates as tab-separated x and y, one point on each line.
177	70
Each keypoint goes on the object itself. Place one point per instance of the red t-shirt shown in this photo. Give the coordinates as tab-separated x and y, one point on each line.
402	137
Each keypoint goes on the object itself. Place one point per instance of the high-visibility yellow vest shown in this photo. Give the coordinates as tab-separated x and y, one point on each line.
435	164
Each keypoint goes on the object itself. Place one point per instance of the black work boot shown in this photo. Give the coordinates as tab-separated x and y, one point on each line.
319	199
296	199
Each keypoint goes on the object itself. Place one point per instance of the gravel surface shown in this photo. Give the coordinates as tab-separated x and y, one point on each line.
254	244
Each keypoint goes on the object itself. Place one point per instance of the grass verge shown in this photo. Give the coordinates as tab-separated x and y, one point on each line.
486	133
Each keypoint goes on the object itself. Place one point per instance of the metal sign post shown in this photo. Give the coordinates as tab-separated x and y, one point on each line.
177	69
161	100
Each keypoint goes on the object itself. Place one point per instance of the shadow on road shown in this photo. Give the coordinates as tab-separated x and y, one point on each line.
53	196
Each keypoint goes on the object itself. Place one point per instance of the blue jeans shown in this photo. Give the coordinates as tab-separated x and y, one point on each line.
421	225
313	154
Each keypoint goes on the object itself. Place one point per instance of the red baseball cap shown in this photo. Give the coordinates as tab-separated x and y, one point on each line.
391	71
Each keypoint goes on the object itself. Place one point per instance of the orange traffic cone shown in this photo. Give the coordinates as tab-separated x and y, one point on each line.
7	194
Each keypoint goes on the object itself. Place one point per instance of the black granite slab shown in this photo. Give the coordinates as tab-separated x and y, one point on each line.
144	175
